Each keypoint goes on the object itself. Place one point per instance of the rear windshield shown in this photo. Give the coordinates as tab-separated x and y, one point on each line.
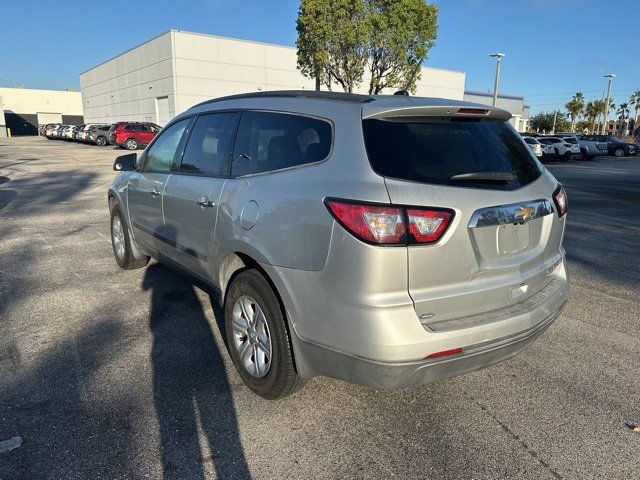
434	151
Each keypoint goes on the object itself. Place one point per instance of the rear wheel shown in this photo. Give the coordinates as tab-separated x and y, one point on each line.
122	243
257	336
101	141
619	152
131	144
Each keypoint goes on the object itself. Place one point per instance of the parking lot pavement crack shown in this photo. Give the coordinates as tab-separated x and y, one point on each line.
531	452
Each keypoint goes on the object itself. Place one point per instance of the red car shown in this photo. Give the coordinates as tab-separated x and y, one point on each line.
131	135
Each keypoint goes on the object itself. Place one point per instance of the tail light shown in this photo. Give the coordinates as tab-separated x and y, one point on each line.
560	199
427	225
371	223
390	224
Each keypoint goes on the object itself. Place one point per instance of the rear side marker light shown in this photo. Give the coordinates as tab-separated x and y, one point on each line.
390	224
444	353
560	199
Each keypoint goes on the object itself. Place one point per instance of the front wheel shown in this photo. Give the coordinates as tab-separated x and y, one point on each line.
619	152
131	144
257	336
122	243
101	141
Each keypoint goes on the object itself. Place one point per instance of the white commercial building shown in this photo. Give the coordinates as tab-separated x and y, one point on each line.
176	70
23	109
512	103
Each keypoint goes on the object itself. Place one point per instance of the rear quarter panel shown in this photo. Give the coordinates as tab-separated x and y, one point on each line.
291	225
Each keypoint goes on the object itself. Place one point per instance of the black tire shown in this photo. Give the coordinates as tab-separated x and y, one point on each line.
618	152
101	141
126	261
281	379
131	144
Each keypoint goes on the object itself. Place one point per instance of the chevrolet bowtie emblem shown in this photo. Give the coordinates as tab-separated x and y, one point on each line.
525	213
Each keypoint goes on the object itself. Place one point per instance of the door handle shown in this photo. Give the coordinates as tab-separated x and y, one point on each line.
154	191
205	202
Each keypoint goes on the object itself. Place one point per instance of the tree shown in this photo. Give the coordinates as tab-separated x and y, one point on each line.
332	41
339	39
635	101
543	122
575	106
592	111
623	111
401	34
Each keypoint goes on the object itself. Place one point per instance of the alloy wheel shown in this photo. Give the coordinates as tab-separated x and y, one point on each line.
117	236
251	336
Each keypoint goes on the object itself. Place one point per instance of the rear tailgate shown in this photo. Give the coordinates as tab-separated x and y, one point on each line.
504	242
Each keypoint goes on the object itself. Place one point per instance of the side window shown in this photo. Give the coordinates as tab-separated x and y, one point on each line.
208	148
273	141
128	128
161	152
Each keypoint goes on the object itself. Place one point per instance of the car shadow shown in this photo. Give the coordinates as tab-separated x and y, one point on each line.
192	395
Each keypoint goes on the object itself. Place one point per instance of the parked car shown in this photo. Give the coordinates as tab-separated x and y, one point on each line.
57	131
563	149
99	134
75	131
548	152
589	149
350	236
132	135
534	145
615	146
66	132
48	129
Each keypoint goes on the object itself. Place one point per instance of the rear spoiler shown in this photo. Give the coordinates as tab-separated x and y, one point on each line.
455	109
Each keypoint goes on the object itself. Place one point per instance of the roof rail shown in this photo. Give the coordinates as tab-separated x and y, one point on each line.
320	95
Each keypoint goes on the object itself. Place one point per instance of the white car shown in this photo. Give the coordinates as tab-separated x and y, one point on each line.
534	145
562	148
67	134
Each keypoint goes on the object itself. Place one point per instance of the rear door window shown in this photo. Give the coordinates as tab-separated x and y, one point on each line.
208	148
433	151
269	141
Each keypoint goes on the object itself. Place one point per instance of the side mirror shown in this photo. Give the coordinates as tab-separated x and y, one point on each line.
125	163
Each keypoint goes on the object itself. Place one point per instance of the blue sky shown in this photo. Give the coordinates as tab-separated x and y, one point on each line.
554	47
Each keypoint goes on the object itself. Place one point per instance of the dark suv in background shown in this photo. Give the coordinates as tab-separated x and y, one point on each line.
132	135
615	146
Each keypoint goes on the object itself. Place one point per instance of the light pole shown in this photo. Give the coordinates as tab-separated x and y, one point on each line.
610	76
498	56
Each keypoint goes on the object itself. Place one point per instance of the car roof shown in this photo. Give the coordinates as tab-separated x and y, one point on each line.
373	106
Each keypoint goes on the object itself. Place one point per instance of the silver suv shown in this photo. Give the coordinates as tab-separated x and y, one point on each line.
382	240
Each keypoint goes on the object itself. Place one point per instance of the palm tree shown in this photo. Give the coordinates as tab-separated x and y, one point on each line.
592	110
623	111
575	107
635	101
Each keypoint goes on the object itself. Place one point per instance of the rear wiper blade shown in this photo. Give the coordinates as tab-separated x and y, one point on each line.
486	176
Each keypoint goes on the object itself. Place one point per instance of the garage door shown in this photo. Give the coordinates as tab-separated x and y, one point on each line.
44	118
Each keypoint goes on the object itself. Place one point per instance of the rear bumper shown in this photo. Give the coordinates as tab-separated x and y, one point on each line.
328	362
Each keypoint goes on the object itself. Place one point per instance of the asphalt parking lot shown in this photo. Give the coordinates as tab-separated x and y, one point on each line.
114	374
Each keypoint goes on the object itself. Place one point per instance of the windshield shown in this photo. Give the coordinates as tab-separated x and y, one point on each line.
434	151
